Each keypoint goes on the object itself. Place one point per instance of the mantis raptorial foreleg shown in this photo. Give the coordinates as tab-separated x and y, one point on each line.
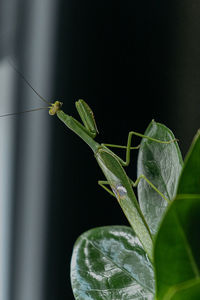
129	148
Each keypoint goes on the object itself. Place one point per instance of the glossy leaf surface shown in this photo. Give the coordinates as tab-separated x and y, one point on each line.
110	263
177	247
161	164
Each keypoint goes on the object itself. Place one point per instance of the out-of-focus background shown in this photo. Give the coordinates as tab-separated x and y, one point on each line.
132	61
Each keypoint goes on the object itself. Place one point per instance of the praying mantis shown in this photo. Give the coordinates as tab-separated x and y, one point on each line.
112	166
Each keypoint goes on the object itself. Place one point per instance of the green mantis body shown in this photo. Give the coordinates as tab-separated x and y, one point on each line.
117	179
112	167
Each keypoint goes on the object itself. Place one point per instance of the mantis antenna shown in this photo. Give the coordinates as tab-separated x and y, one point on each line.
23	112
27	82
53	107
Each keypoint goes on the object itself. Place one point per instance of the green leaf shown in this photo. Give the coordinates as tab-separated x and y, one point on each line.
177	249
110	263
177	246
190	291
189	182
161	164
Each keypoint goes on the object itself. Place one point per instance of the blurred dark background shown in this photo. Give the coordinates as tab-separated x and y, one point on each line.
132	61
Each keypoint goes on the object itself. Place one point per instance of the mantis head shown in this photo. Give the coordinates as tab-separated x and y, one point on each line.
55	107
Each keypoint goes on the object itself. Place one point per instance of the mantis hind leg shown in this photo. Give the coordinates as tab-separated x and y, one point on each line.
134	184
103	184
129	148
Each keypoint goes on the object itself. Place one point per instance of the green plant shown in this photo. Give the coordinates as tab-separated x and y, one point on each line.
158	256
111	263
